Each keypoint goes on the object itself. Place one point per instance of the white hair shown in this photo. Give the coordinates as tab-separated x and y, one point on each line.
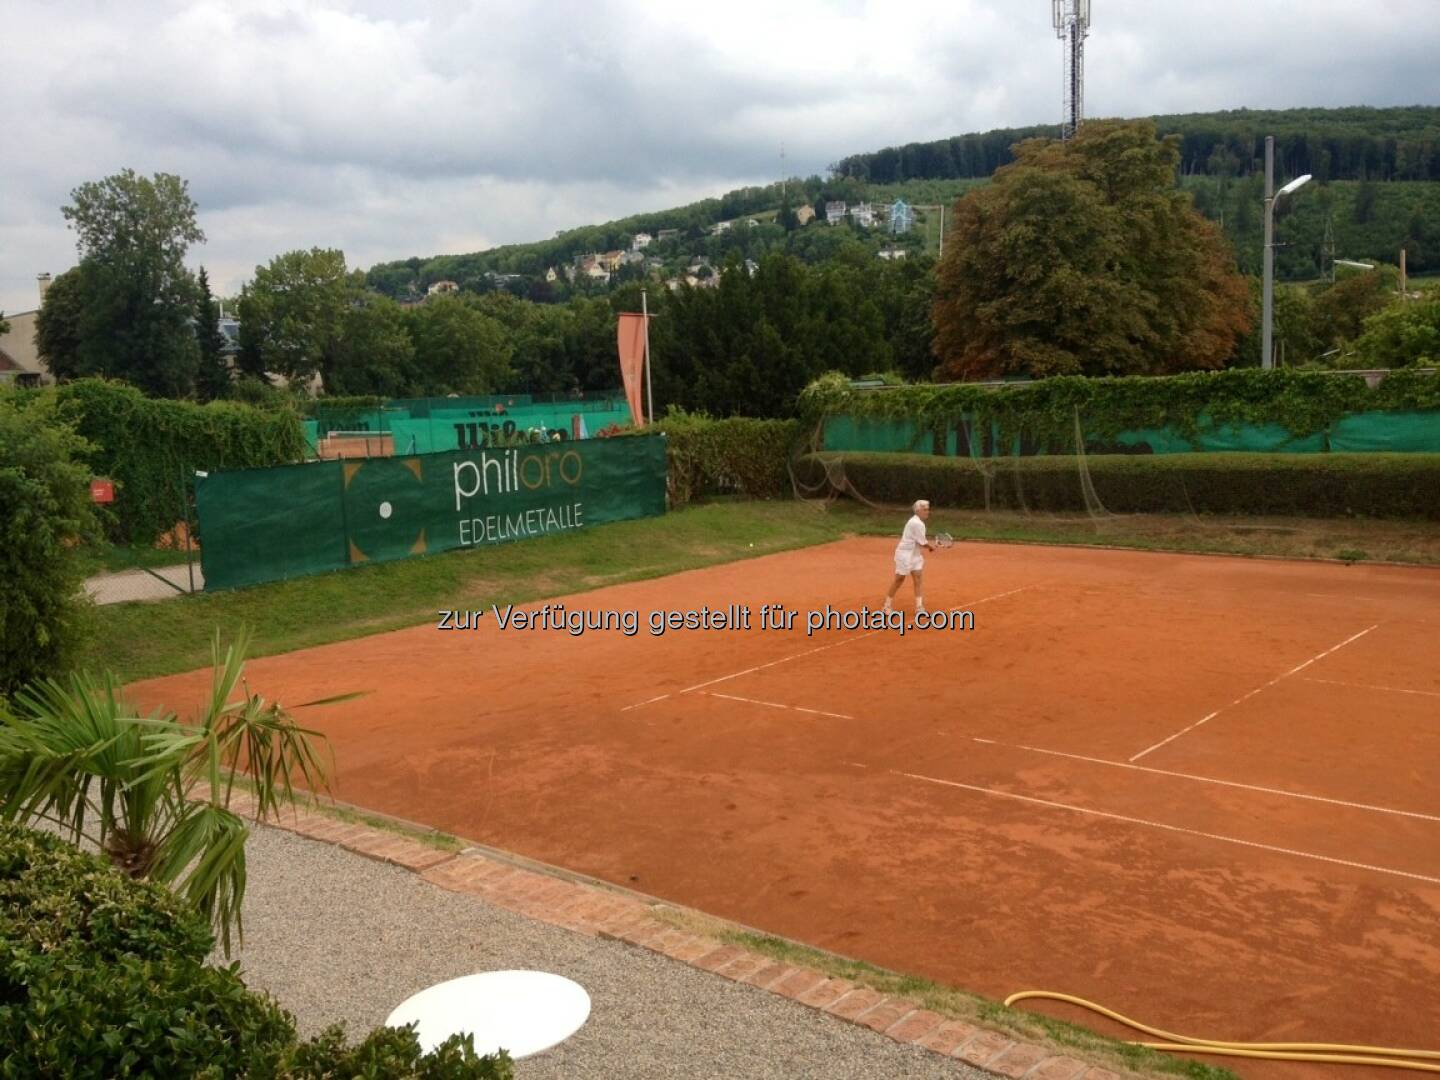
919	503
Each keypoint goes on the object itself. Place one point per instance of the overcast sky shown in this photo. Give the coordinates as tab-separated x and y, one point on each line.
420	128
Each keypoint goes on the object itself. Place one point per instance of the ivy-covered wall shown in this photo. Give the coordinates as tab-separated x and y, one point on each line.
1192	408
151	448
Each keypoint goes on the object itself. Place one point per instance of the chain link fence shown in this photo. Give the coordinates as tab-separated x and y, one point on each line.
167	568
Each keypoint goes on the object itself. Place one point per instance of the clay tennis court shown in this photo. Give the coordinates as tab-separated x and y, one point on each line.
1201	791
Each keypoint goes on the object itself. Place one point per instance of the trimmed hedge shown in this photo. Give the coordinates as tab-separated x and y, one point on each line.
102	976
736	456
1298	485
151	448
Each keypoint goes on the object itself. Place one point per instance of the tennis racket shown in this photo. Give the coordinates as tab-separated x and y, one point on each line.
943	540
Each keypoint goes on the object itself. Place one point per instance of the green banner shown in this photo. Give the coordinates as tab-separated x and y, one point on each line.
261	525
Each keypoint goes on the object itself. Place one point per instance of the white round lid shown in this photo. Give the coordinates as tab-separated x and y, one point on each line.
524	1012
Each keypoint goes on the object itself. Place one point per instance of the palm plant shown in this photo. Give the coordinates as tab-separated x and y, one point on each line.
153	793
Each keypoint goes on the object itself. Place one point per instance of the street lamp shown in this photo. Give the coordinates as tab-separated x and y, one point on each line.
1267	358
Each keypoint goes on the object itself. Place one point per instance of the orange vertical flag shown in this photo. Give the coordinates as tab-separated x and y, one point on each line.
631	332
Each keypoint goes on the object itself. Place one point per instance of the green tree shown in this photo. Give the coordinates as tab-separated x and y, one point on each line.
1402	335
153	793
292	315
1083	258
59	326
45	492
1340	310
458	348
213	378
375	354
132	234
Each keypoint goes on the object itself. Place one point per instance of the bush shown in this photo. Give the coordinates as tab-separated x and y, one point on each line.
151	448
739	455
102	976
1402	334
47	511
1303	485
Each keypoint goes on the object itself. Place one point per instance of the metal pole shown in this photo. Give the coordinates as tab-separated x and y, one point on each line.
185	507
942	231
1268	306
649	392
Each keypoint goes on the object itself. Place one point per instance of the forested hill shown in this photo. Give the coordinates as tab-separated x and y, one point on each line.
1358	143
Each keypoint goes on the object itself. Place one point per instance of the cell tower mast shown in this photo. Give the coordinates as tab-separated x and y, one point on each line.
1071	19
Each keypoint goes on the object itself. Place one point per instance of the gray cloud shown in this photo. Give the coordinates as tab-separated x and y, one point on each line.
396	130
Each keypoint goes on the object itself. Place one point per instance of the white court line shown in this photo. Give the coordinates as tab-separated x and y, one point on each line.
1252	693
1213	780
1171	828
652	701
777	705
832	645
1368	686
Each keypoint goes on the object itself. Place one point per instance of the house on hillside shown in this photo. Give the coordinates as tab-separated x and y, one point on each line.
720	227
667	234
892	253
901	217
834	212
863	214
805	214
641	241
440	288
611	260
551	276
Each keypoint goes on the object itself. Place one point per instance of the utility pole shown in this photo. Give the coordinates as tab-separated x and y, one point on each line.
1268	302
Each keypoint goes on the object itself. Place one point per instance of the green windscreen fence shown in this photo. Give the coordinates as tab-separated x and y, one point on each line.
1378	432
260	525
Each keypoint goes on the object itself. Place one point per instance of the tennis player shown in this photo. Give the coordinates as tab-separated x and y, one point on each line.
910	555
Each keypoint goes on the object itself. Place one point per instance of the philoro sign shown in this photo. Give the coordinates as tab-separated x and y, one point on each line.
270	524
512	473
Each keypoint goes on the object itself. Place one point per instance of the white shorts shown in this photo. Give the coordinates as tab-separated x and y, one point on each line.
908	564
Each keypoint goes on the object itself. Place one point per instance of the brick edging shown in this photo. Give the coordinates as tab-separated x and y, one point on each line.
614	916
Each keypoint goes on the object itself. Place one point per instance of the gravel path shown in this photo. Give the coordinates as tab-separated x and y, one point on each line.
338	937
126	585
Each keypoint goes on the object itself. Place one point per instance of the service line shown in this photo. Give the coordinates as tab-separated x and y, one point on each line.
1168	828
778	705
1369	686
810	652
1213	780
1252	693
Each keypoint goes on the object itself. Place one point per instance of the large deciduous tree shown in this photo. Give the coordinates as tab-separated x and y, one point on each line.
375	354
1083	258
292	315
458	348
132	320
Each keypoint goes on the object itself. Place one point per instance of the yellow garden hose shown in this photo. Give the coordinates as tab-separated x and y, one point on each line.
1331	1052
